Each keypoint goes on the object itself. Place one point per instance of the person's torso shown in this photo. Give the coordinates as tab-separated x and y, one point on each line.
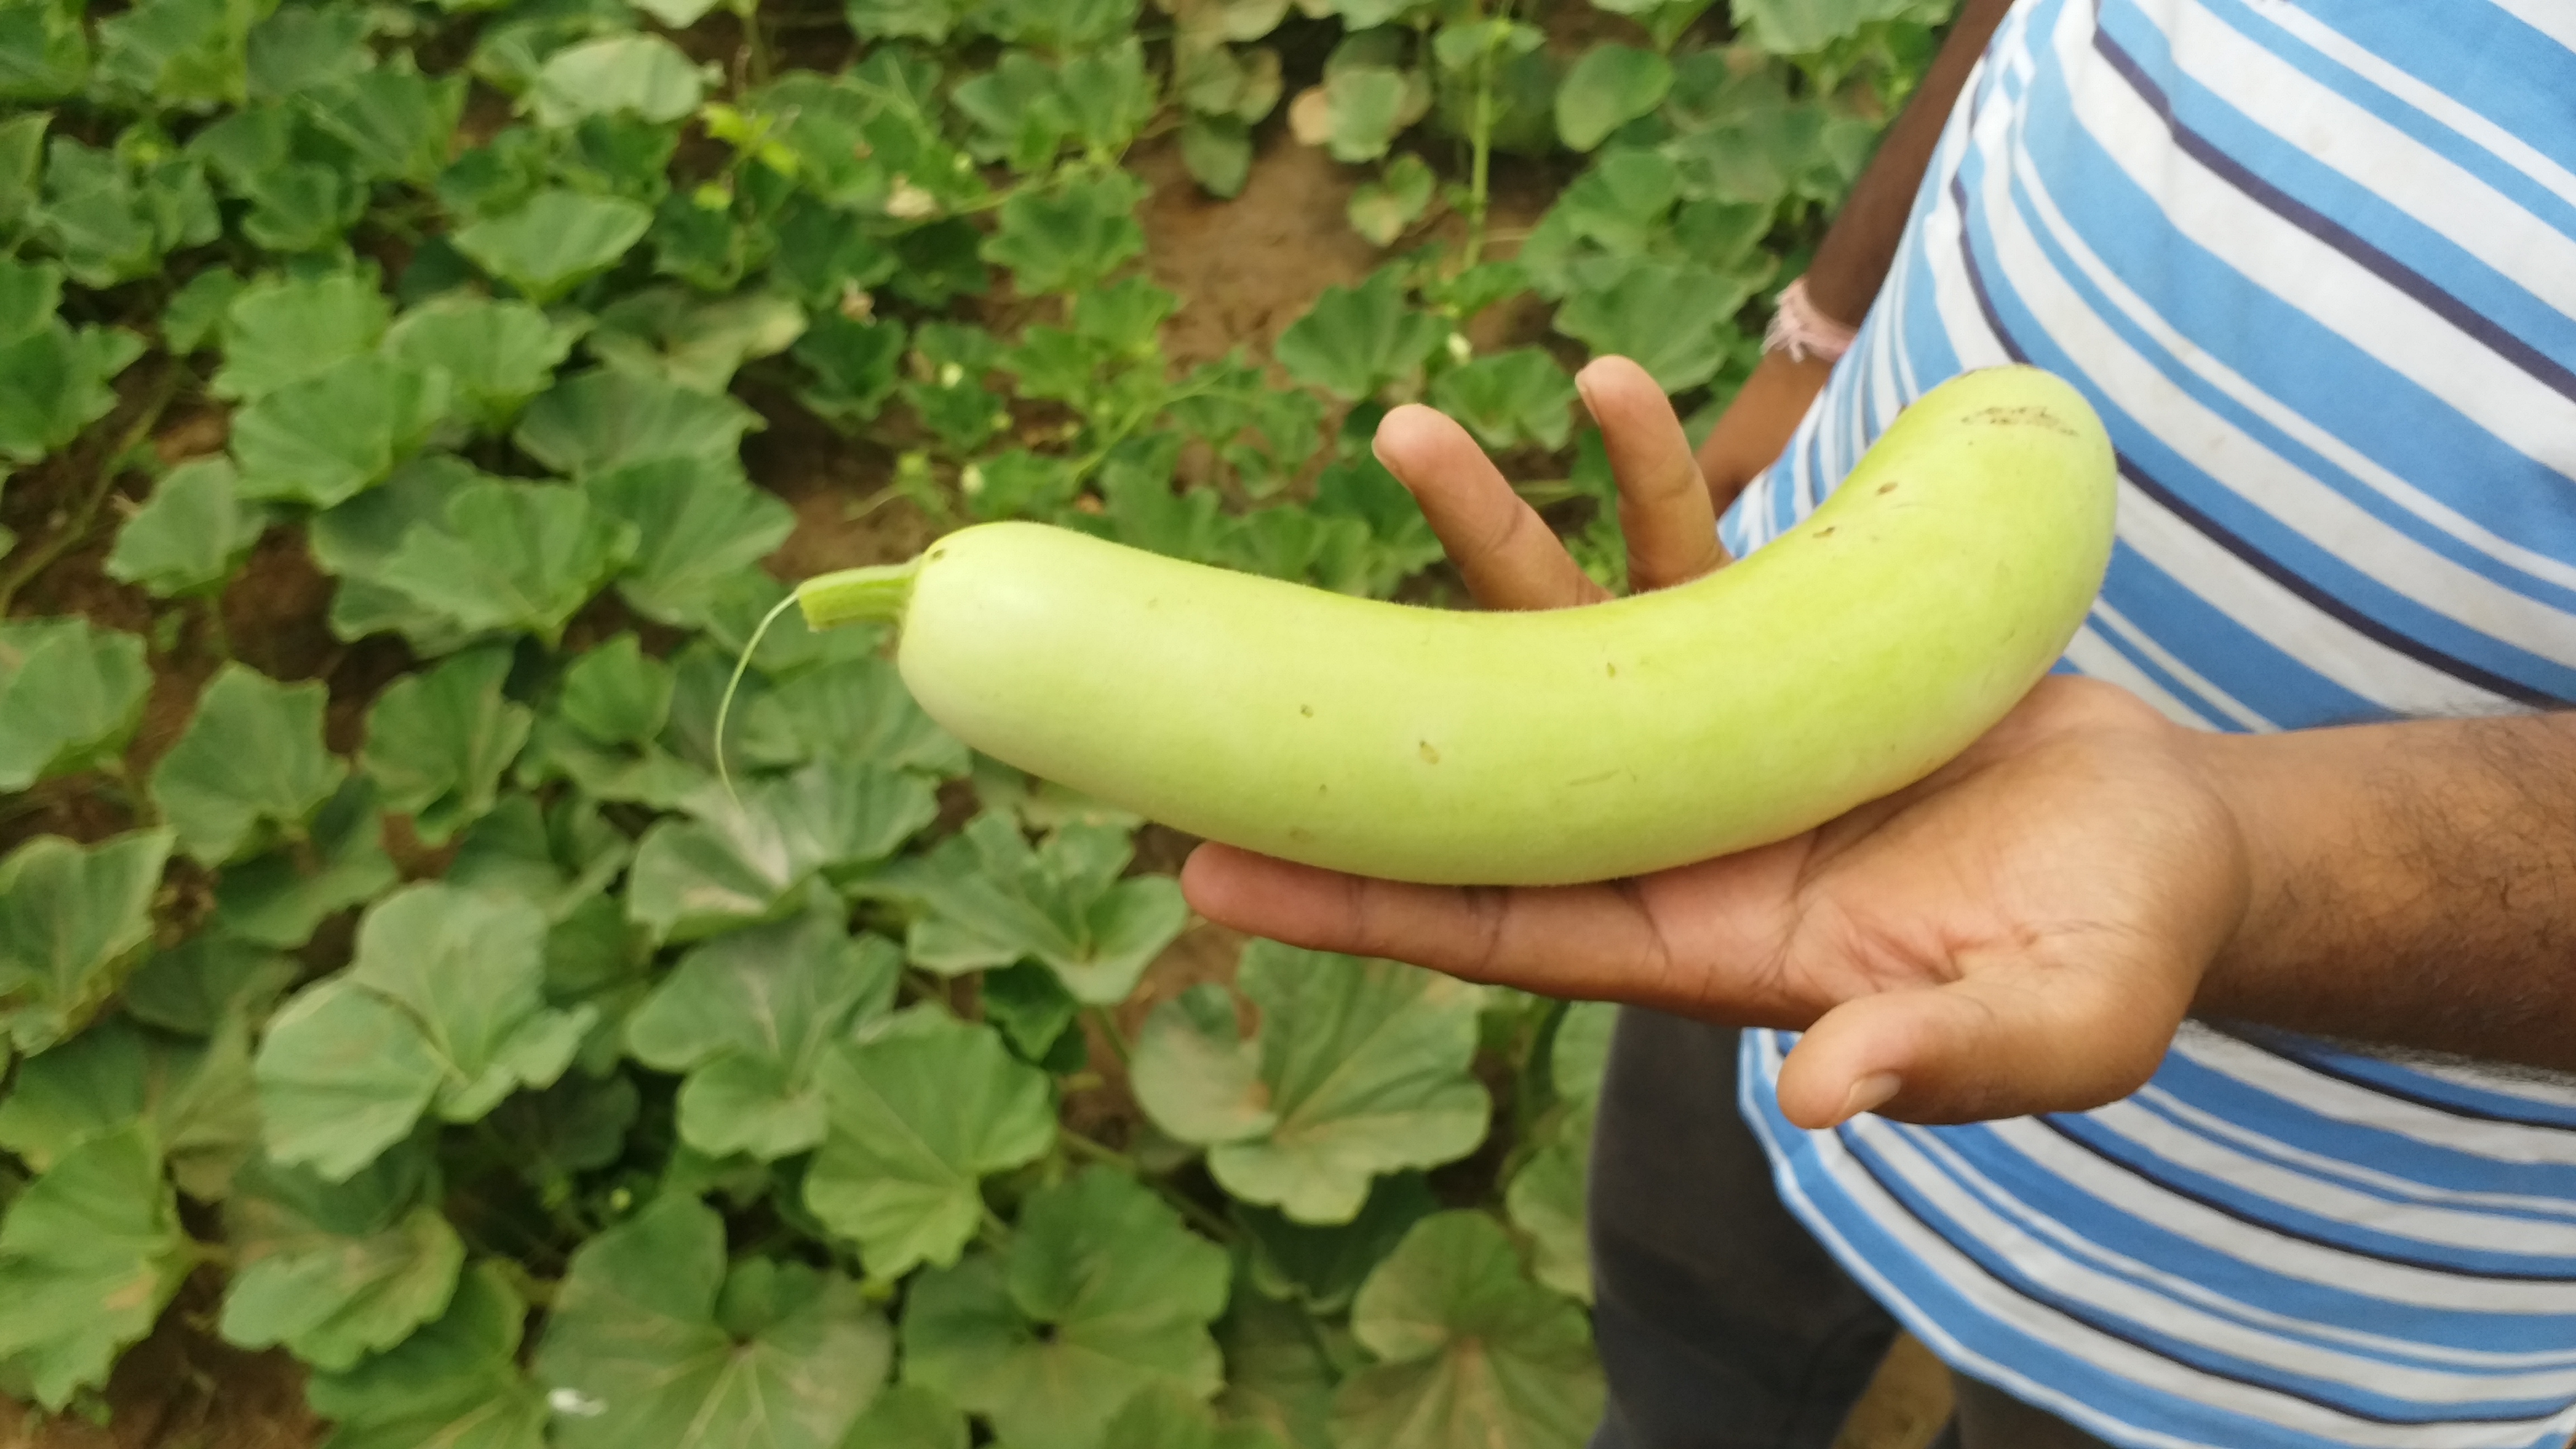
2315	265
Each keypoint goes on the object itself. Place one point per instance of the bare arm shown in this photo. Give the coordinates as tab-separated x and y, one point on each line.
1851	262
2410	885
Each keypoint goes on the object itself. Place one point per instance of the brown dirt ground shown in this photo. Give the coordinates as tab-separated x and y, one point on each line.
1246	269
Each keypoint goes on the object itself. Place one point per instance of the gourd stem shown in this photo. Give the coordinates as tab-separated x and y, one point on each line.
876	594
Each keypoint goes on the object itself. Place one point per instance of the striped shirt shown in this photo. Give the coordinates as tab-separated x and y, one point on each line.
2314	262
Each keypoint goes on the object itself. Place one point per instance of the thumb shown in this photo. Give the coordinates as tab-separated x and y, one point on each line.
1982	1047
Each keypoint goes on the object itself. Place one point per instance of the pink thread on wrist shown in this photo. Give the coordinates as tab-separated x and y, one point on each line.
1801	332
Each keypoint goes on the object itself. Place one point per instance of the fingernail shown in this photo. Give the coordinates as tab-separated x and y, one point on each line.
1583	389
1870	1093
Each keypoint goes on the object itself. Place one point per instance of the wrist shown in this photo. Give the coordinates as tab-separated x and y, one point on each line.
2271	814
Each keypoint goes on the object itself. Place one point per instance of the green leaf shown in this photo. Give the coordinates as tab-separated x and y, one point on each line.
1362	108
598	420
195	314
1675	321
111	219
1030	1007
1381	210
1101	1294
250	769
1580	1052
917	1113
555	240
192	533
437	741
908	1416
337	1271
699	344
283	331
455	1384
70	696
194	1096
990	900
577	1125
1277	1374
1804	27
929	20
1169	1419
1070	236
441	1009
1356	340
1545	1201
1319	1268
851	364
734	862
1609	86
638	75
554	859
297	48
1509	399
616	693
326	438
1472	1355
1217	150
748	1016
496	354
858	709
189	53
44	51
354	539
279	899
653	1345
511	557
1364	1069
698	524
54	384
398	122
89	1254
29	297
193	988
1060	26
1109	94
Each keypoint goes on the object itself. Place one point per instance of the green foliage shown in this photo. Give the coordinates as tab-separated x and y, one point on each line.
1361	1068
654	1339
555	1071
89	1253
70	696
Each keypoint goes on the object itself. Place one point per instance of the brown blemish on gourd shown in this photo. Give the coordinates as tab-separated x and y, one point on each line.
1887	487
1613	670
1430	756
1307	710
2021	417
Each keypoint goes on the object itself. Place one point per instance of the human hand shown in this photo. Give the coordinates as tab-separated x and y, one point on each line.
2020	932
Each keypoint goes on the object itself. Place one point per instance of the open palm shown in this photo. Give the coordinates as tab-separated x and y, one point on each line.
2022	931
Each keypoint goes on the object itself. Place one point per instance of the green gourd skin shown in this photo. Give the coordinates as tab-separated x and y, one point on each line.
1848	658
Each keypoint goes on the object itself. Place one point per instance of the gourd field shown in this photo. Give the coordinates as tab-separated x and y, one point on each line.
409	409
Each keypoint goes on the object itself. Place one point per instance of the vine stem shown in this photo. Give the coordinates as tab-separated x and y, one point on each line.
63	540
1480	174
1108	1025
1097	1151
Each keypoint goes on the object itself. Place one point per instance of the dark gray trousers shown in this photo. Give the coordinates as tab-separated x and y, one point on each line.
1723	1324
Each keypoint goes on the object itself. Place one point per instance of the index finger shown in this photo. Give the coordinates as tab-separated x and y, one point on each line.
1507	554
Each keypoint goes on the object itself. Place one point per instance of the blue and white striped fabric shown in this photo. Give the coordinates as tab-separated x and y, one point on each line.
2314	261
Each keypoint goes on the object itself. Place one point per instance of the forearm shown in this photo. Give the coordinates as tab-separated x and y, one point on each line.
2413	886
1858	248
1851	261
